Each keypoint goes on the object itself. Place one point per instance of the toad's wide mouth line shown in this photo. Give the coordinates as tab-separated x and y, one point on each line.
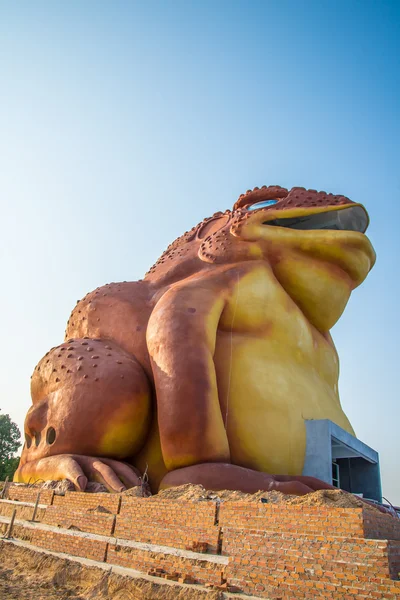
353	218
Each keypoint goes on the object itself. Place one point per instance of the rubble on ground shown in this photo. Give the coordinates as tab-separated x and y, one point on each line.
334	498
195	492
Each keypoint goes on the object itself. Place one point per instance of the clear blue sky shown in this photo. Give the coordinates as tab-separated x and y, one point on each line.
122	124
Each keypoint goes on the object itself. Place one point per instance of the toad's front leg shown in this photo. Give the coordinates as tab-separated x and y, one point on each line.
181	337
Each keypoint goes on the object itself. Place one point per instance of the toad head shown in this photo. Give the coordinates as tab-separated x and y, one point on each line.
314	243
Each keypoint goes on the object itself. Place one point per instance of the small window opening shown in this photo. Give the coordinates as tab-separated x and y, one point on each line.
335	475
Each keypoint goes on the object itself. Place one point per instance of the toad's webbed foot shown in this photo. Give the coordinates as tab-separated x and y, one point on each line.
115	475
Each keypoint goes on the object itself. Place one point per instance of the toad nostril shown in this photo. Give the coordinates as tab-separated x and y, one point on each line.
38	437
51	435
28	440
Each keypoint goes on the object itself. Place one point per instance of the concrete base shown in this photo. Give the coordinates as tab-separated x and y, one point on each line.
357	463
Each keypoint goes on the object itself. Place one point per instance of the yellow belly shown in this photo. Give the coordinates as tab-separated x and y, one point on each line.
267	392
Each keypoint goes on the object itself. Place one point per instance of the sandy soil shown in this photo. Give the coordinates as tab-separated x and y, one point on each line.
191	492
334	498
18	585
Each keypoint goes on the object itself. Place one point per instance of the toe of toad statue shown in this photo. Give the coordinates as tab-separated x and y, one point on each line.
206	371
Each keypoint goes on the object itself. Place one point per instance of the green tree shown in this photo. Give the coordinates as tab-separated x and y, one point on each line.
10	437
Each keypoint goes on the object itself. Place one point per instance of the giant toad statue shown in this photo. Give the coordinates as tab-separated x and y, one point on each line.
206	370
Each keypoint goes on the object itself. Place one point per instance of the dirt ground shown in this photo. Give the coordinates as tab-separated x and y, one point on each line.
28	575
193	492
15	584
334	498
21	588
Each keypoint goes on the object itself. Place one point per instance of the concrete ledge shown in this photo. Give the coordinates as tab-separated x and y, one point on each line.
18	503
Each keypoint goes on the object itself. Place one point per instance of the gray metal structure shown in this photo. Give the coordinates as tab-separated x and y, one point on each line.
331	448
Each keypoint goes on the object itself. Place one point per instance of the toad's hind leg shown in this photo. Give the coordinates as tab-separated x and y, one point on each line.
90	399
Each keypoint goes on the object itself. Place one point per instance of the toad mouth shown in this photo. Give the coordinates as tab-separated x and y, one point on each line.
353	218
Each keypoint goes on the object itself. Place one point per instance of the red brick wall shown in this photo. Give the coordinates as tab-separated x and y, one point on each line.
92	522
200	571
75	545
168	523
23	512
271	565
274	552
81	501
27	494
293	519
349	522
56	541
379	526
19	532
394	559
197	514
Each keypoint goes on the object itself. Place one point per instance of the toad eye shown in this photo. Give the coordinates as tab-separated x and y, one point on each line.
262	204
